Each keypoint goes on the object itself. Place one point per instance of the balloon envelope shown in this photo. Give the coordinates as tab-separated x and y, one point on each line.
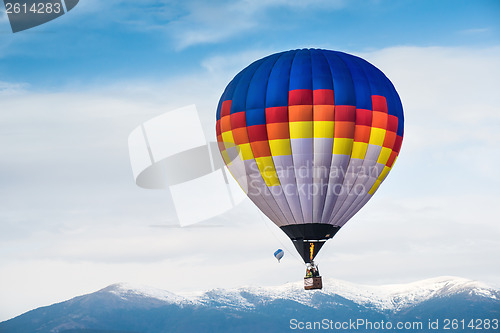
310	135
279	254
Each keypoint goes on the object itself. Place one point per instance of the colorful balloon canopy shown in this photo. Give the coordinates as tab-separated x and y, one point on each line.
310	135
279	254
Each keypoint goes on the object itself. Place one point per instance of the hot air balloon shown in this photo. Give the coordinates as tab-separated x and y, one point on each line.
279	254
310	135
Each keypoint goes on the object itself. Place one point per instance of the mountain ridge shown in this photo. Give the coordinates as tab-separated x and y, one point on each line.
387	296
126	307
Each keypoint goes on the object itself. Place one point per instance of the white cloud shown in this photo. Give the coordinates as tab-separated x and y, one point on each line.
7	89
212	22
3	16
475	31
230	65
195	22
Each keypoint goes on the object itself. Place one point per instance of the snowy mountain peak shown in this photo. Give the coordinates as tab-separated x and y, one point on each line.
126	307
398	296
384	297
127	291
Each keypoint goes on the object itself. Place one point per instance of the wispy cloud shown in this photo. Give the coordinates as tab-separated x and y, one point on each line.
211	23
3	15
215	22
190	23
7	89
475	31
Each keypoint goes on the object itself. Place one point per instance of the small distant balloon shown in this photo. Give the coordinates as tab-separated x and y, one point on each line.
279	254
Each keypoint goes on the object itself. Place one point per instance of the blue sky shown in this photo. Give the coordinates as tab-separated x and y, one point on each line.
72	220
150	39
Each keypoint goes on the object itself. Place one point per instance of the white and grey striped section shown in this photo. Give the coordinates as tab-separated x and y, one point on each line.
286	175
359	176
321	175
302	155
338	170
261	195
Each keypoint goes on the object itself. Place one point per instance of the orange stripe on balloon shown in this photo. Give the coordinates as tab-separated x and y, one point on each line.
240	136
379	119
300	113
362	133
344	129
389	140
391	159
260	148
225	124
278	131
324	113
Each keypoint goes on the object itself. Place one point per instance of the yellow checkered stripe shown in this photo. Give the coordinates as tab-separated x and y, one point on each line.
359	149
342	146
245	152
377	137
312	129
280	147
268	170
380	179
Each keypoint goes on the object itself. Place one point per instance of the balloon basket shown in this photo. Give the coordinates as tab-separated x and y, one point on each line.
311	283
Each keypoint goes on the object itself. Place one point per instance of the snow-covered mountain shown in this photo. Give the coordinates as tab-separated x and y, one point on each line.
132	308
393	297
